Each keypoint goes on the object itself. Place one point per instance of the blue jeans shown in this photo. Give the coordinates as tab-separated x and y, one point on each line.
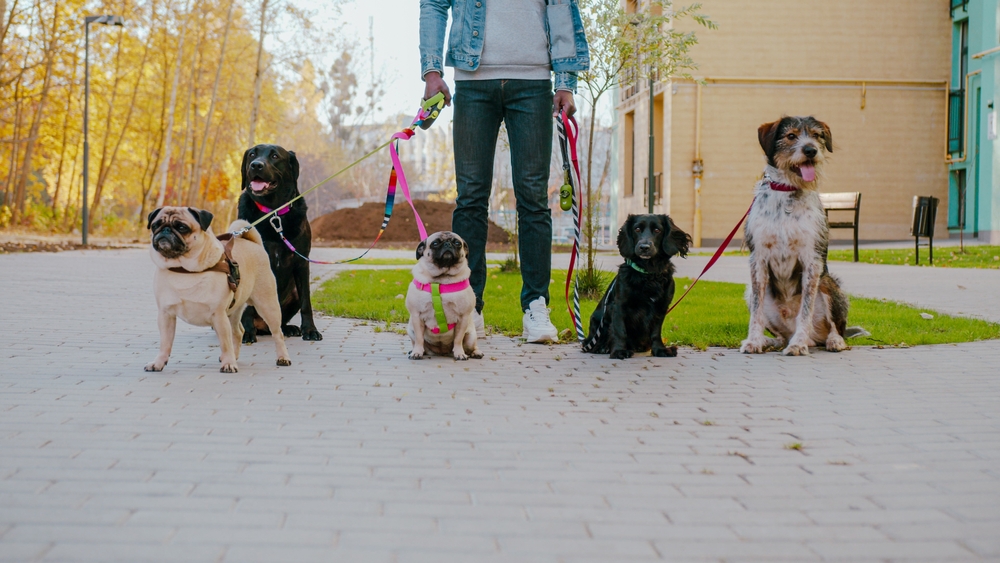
526	108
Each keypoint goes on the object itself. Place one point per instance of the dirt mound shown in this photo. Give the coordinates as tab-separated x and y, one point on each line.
362	223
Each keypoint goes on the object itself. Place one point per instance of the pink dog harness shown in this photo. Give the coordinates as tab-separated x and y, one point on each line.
436	289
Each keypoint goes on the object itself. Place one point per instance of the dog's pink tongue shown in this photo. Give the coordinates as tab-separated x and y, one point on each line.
258	185
808	173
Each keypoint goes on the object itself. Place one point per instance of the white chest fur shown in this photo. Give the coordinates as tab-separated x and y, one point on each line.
783	226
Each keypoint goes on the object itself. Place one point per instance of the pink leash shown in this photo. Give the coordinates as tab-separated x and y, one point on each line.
405	135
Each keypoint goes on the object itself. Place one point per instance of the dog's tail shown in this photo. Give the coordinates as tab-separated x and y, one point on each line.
856	332
251	235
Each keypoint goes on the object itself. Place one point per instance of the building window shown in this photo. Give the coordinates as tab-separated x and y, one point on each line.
629	159
956	114
956	99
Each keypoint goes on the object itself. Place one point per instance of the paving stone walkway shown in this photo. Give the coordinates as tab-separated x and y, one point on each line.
535	453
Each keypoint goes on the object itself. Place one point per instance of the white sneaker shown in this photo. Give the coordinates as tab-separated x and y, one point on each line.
477	321
537	326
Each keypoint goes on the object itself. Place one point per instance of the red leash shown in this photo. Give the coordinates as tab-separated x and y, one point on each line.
715	258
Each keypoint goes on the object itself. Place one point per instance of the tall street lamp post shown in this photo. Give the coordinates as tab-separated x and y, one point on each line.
652	144
106	20
651	182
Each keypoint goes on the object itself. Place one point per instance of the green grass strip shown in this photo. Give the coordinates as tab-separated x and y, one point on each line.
983	257
714	314
397	262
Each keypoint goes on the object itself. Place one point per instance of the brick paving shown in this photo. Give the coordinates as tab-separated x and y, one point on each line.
534	453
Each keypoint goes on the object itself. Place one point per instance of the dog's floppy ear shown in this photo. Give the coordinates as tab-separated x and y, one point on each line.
766	134
420	249
626	241
203	217
293	165
465	247
152	215
827	136
675	241
244	181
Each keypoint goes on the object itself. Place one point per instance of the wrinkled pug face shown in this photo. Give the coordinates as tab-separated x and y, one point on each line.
175	230
444	249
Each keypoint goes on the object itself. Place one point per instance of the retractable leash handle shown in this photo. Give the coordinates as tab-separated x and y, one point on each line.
431	109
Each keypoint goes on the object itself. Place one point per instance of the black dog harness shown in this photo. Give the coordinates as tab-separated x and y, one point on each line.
226	264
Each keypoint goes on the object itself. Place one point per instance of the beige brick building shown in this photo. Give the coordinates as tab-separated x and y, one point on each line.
876	72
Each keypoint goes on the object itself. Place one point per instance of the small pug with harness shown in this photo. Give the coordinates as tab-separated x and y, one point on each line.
441	301
208	282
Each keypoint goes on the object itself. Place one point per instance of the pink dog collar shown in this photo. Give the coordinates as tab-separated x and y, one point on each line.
444	287
266	209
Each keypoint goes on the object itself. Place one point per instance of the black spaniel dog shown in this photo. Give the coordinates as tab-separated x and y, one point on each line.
629	317
270	176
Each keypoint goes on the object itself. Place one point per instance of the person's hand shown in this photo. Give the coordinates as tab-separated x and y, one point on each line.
434	83
563	100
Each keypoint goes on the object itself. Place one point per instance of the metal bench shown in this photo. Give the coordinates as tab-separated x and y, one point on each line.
843	201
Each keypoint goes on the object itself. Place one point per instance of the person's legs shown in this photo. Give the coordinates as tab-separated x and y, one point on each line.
476	125
528	116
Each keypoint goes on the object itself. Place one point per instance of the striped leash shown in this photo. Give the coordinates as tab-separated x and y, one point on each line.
568	133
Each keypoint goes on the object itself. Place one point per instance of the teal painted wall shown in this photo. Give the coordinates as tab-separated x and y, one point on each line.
981	164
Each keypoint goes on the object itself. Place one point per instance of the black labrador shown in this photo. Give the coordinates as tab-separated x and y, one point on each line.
630	316
270	179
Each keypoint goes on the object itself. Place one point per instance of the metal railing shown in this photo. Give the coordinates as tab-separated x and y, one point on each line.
955	4
658	193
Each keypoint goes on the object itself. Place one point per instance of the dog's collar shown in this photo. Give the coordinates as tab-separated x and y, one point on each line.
266	209
779	187
635	266
436	289
443	287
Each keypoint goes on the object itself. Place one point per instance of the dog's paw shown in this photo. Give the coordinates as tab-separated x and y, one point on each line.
774	344
249	338
283	362
621	354
476	354
154	366
752	346
461	357
667	352
414	355
291	330
834	343
228	368
796	348
311	334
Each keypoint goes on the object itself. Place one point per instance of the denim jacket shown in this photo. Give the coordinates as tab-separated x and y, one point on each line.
568	49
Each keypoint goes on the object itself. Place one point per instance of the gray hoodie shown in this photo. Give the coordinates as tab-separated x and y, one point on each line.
515	45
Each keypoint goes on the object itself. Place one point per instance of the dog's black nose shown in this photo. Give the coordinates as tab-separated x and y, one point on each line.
810	151
644	247
257	166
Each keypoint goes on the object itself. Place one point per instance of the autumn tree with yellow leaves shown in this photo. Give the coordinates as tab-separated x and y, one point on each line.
176	96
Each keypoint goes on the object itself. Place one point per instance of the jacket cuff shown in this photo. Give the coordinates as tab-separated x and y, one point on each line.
566	81
431	64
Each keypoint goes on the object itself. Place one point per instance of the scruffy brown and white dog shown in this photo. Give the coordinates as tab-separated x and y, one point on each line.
792	293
